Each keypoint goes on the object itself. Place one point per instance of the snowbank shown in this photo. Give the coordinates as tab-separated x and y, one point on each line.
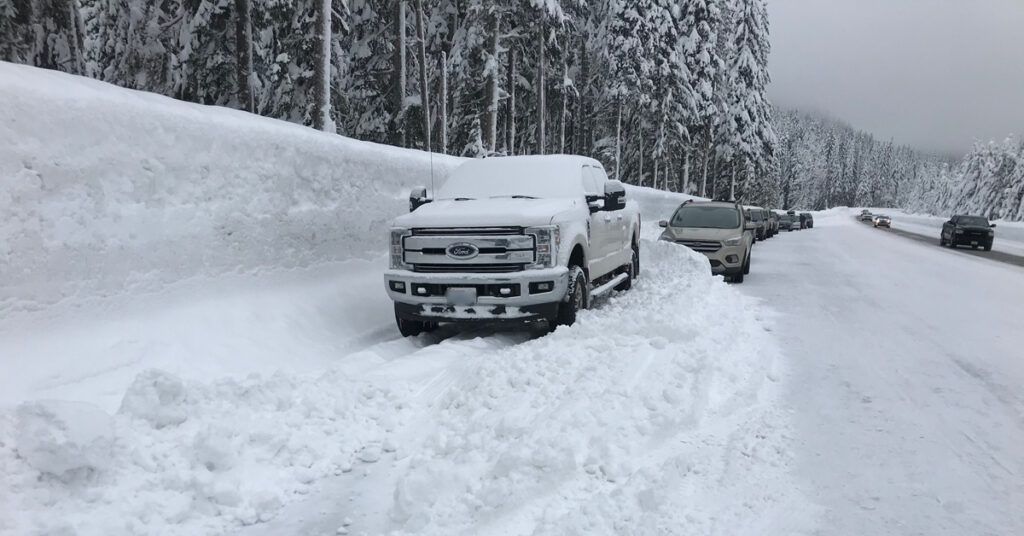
104	189
472	430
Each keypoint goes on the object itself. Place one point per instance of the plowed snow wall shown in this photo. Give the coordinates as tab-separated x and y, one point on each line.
104	189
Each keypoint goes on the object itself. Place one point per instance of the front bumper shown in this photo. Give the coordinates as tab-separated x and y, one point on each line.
728	260
425	295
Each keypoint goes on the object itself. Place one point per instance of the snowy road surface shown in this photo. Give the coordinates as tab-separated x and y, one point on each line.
908	367
837	391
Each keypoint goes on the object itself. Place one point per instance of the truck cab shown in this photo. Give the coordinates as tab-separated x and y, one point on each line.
512	239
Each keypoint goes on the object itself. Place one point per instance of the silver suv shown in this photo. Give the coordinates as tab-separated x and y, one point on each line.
717	229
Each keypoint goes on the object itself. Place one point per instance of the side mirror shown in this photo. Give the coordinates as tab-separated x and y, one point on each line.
992	225
614	196
663	223
418	198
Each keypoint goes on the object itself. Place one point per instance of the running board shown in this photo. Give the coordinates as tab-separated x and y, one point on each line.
608	286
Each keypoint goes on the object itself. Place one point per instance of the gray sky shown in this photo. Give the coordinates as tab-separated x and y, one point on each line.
935	74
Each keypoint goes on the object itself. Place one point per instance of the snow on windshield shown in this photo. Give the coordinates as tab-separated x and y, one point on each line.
527	176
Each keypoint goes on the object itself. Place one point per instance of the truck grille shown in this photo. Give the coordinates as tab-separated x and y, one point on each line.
469	250
704	246
476	268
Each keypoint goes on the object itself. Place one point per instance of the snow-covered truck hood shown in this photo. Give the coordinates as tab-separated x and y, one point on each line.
495	212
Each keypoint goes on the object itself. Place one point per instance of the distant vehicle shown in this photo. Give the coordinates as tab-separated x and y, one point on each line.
806	220
756	215
865	215
489	248
882	220
719	230
789	222
963	230
773	219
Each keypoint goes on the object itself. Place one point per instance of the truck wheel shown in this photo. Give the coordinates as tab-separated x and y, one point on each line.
412	328
942	241
988	247
575	298
631	270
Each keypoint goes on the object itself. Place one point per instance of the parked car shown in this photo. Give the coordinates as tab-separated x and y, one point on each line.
523	238
806	220
789	222
719	230
773	217
756	215
865	215
882	220
964	230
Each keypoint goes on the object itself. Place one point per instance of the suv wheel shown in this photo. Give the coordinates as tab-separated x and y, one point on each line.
746	265
942	240
575	298
952	240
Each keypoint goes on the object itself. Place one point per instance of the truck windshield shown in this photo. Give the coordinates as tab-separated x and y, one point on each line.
707	217
527	177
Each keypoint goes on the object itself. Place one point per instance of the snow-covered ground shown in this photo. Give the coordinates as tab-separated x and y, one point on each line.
908	362
183	354
1009	234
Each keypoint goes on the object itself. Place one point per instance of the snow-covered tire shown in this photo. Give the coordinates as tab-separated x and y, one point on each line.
631	270
575	297
412	328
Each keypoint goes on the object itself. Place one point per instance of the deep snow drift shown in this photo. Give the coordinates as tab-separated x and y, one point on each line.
104	189
650	412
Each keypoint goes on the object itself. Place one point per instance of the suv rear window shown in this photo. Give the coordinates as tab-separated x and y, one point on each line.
706	217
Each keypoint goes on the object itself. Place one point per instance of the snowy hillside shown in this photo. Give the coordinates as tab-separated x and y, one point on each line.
106	189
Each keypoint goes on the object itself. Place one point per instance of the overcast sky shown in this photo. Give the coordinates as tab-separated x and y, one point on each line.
935	74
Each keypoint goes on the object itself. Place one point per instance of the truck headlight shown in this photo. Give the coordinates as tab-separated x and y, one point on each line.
733	241
397	244
545	242
959	231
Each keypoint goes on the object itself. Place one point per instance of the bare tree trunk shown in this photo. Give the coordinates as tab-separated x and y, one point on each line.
399	77
77	37
565	107
732	184
641	178
243	50
541	104
443	101
579	133
618	139
654	181
686	171
322	69
491	117
510	119
424	87
707	162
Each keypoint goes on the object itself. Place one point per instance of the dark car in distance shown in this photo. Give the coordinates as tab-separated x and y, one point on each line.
965	230
806	220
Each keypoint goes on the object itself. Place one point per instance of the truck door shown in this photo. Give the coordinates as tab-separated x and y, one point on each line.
600	226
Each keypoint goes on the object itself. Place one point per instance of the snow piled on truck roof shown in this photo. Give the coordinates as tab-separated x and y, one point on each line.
541	176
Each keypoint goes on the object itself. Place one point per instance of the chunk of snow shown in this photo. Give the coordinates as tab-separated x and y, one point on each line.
59	437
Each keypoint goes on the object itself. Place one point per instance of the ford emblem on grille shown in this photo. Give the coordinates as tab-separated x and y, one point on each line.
462	251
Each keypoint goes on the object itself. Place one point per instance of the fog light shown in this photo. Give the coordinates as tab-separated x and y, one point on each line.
732	259
541	287
422	290
397	286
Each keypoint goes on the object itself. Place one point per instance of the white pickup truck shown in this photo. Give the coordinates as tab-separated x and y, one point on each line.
518	239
